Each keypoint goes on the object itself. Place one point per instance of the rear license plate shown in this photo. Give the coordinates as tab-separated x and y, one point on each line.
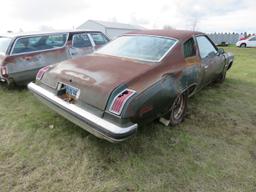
68	93
72	91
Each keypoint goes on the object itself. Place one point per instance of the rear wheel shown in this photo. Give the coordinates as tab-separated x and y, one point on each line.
177	111
10	83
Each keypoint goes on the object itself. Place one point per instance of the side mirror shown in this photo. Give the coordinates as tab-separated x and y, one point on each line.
221	51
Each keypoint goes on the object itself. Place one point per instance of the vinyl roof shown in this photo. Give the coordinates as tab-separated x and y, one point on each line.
177	34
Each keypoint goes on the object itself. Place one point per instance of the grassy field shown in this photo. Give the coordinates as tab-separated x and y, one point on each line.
213	150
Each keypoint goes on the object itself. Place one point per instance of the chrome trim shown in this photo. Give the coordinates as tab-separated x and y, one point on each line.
90	122
28	36
148	60
92	41
119	113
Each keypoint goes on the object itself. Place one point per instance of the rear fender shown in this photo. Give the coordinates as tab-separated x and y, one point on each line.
157	100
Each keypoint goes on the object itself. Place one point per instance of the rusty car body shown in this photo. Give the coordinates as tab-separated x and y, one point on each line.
134	79
22	55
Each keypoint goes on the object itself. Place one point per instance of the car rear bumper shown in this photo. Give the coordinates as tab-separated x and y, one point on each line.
88	121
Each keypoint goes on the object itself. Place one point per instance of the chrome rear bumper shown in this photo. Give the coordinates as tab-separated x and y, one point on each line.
88	121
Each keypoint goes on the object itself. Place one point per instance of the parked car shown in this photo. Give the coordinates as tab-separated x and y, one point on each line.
249	42
22	55
134	79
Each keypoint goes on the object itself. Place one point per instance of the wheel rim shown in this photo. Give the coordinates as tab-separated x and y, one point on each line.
179	106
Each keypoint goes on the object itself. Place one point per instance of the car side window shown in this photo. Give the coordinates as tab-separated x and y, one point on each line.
81	41
253	39
57	40
205	46
39	43
99	39
189	48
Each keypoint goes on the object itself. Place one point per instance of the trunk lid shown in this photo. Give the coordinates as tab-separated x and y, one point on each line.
96	76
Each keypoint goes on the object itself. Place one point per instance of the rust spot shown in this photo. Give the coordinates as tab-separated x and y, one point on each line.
145	109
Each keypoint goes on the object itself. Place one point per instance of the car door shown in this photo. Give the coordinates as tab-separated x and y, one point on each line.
251	42
212	63
81	45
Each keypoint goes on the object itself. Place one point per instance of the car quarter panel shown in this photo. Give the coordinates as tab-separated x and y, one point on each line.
23	67
158	88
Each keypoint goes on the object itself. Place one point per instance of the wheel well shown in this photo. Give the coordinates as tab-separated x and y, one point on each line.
229	65
190	90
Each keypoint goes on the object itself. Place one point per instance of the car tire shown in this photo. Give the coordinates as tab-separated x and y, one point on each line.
222	77
178	110
243	45
10	83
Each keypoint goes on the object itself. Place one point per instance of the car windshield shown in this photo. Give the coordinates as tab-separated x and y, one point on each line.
141	47
4	44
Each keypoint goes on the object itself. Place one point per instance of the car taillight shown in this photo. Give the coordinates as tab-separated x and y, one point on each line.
119	101
4	71
41	72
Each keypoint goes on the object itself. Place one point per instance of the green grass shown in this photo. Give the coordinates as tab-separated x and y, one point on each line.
213	150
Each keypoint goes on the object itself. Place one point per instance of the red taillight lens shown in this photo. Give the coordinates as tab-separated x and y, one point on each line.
4	71
41	72
119	101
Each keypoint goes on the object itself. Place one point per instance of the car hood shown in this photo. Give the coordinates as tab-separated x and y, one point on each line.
95	75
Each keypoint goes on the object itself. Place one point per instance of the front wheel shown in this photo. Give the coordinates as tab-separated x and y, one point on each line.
243	45
222	77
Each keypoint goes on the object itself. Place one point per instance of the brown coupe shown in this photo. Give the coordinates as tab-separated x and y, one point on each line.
134	79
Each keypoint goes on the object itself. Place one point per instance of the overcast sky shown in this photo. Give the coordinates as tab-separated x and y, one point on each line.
209	16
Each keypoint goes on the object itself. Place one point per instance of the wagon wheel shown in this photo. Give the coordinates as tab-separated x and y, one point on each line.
10	83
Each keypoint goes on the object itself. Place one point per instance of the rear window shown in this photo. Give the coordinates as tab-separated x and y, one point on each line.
141	47
99	39
4	44
39	43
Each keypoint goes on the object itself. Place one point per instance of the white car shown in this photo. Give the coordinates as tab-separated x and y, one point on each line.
249	42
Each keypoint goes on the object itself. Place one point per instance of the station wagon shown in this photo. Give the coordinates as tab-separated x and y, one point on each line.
22	55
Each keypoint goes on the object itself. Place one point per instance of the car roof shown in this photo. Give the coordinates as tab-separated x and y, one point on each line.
172	33
14	35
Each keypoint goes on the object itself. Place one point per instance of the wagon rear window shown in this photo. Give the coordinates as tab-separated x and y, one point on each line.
39	43
4	44
141	47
